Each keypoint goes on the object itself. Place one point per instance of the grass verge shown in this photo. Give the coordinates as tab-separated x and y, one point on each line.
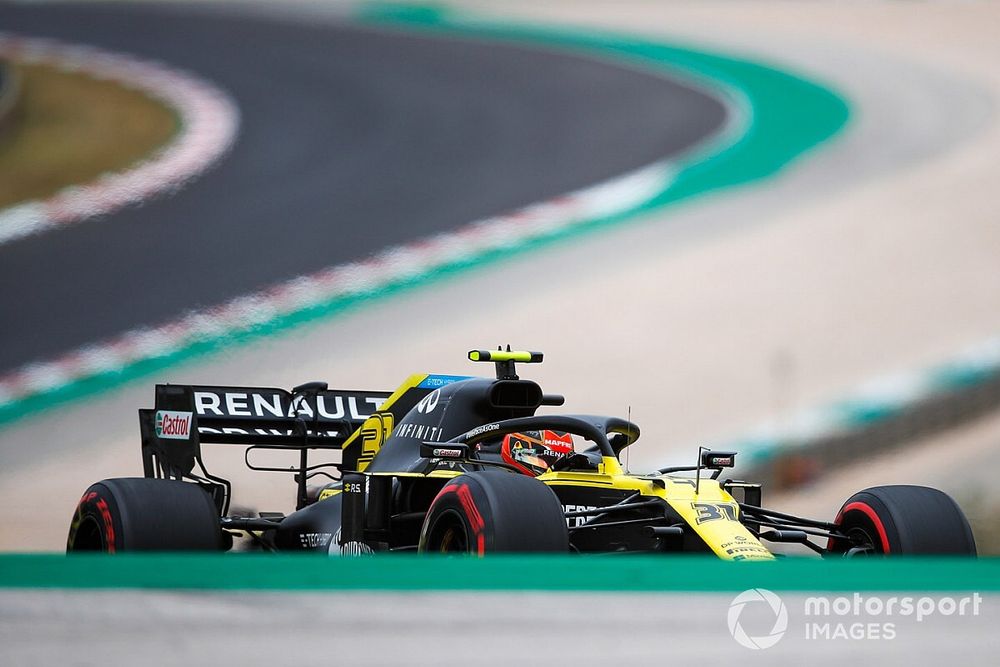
69	128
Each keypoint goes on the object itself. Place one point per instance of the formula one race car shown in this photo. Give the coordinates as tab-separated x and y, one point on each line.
463	464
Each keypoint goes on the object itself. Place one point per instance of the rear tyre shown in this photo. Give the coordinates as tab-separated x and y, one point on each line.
494	512
903	520
140	514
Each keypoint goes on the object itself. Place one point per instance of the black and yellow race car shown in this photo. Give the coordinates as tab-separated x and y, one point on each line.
465	464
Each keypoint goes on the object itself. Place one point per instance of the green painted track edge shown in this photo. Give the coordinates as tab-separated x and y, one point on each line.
284	572
789	117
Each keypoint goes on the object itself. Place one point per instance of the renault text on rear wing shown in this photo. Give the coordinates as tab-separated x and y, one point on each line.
262	415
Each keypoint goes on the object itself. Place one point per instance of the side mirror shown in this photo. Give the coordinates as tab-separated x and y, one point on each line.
438	450
710	459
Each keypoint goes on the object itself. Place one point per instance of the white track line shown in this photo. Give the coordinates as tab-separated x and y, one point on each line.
209	122
394	265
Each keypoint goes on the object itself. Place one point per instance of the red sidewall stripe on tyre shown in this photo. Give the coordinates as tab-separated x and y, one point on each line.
109	525
872	515
472	513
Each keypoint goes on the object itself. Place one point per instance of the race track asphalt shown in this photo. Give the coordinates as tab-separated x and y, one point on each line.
466	628
351	139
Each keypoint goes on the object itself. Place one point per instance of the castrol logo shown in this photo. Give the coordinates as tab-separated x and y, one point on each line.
173	425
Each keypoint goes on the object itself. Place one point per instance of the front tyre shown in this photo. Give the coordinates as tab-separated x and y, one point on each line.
494	512
141	514
902	520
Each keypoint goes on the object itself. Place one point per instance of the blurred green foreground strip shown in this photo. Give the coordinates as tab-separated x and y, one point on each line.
494	573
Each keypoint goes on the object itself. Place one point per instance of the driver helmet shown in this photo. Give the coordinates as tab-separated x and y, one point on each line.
534	452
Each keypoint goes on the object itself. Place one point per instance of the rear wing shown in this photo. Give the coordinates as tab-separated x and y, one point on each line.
187	415
308	417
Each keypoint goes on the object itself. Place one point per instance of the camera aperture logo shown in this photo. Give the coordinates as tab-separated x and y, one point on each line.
854	617
757	604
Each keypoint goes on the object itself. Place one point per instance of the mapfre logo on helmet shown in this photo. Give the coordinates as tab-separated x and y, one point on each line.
757	609
171	425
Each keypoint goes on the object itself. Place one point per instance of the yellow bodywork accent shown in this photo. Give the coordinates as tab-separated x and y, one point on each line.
373	433
712	513
378	427
610	466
